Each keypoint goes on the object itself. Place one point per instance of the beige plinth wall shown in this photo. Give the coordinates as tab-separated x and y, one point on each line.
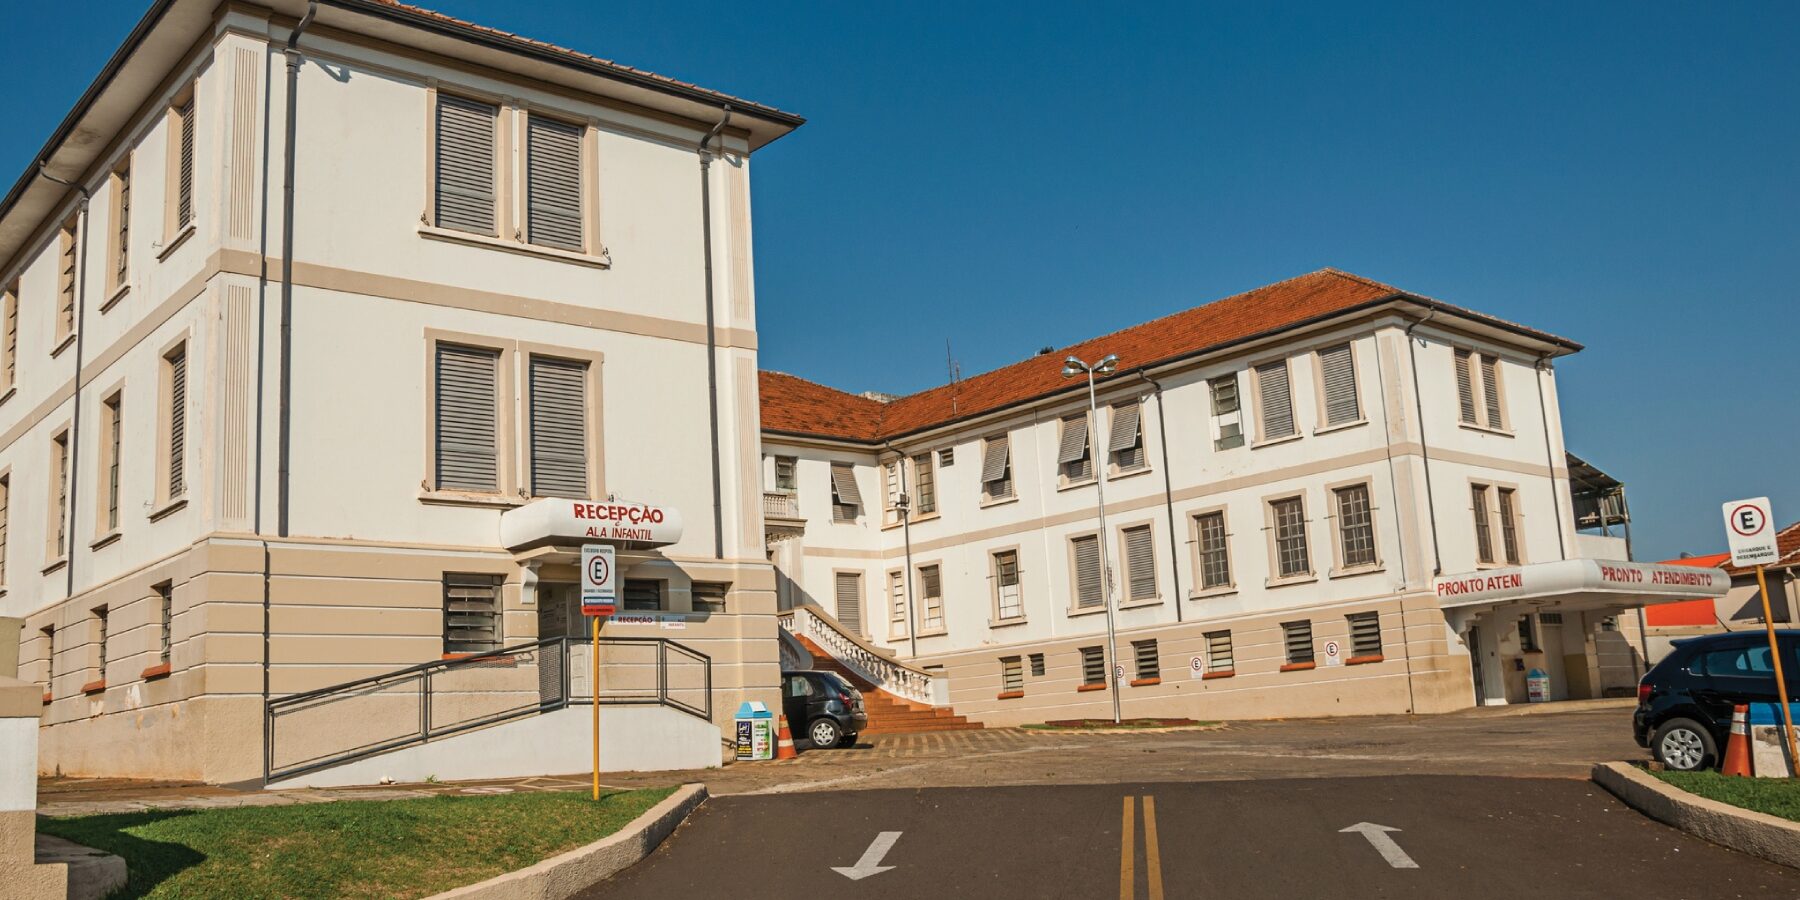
20	703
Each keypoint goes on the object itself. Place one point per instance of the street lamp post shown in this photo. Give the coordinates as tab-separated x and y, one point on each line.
1072	367
903	506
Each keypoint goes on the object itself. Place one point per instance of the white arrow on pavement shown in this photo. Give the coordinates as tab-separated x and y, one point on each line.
1384	845
870	864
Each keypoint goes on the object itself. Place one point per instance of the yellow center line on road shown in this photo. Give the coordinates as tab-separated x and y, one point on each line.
1152	855
1127	846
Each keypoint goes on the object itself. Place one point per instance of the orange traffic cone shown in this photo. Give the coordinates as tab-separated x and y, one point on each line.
784	743
1737	745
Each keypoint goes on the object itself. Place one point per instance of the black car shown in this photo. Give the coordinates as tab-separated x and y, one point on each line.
823	708
1685	701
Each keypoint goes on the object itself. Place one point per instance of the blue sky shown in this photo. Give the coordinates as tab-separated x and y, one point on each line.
1623	174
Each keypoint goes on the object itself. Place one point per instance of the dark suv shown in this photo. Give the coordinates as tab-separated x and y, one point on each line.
1685	702
823	708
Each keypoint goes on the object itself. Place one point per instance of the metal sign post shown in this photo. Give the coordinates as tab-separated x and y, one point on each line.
599	577
1750	532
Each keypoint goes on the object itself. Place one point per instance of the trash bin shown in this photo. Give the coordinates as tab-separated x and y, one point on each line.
755	731
1537	685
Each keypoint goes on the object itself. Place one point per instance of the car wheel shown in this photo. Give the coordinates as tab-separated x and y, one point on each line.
825	734
1684	745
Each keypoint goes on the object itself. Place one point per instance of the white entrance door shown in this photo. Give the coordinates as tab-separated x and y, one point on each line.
1550	637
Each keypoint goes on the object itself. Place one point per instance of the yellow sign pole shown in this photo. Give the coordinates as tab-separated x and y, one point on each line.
594	688
1781	691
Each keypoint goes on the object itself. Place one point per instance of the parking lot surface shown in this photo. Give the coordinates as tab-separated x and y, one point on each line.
1425	836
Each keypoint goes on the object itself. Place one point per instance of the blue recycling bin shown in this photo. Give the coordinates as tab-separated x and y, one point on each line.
755	732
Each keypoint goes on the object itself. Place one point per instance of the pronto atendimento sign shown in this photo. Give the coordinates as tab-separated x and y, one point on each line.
1580	576
555	520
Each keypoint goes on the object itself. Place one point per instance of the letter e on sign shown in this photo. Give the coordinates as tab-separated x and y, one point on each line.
1750	532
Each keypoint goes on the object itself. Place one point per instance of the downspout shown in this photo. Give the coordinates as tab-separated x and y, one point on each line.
712	350
1387	433
1162	437
1412	355
284	431
1543	365
292	54
912	619
74	464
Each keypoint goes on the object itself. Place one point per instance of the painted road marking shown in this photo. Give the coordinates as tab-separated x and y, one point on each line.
1384	845
1128	851
870	864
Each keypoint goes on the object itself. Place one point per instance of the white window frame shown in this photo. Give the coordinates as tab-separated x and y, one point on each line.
1197	558
1270	527
1340	555
998	611
1473	361
1263	437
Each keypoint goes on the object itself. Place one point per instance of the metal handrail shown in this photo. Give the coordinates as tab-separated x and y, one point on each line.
424	672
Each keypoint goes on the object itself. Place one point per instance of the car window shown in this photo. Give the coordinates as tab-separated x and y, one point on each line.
834	680
799	686
1739	662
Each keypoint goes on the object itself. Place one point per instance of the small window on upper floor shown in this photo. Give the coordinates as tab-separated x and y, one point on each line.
553	184
467	193
1275	401
1228	423
784	474
846	499
1337	379
996	468
924	492
1479	394
467	419
178	204
1125	439
174	422
65	286
118	269
559	419
9	341
1074	460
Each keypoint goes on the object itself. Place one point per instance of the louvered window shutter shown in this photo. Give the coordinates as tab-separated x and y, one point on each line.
1337	369
1490	389
1140	562
1087	571
993	463
559	450
465	164
1124	435
553	184
843	481
1277	400
468	452
1074	440
849	602
1465	387
184	203
178	423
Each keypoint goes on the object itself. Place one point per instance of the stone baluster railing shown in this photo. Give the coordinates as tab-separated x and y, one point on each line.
895	677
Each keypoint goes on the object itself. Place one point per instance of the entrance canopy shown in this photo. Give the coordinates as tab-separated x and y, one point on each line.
1578	584
554	520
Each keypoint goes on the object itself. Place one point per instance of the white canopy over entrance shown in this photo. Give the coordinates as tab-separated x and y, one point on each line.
554	520
1578	584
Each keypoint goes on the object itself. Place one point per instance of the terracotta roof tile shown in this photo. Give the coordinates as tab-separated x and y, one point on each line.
792	405
1268	309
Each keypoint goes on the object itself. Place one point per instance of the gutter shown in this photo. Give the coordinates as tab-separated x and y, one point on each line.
1412	358
73	465
1162	436
712	347
1562	547
284	432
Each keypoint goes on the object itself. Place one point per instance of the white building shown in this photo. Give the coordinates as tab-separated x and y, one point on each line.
251	449
1324	496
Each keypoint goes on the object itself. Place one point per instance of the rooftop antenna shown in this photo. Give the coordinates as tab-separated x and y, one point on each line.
955	374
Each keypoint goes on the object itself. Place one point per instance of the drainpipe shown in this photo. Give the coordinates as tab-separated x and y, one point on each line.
74	465
712	362
903	506
1412	355
284	432
1562	547
1162	437
1387	434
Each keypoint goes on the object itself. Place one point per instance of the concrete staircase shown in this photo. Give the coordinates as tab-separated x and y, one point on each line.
889	714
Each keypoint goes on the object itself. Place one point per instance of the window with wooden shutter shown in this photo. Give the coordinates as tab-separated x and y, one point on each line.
1088	578
1484	535
896	602
1037	665
1465	387
65	281
1144	654
1365	634
1072	451
1490	391
846	500
1292	558
121	226
1012	675
1509	525
9	343
709	596
466	169
784	473
5	520
1093	666
1298	641
559	428
849	602
59	495
1006	585
184	166
176	367
890	482
1125	440
1218	652
111	410
1215	556
1140	563
924	485
931	597
553	184
101	628
1228	423
468	418
165	601
996	468
1337	372
1356	526
1277	400
641	594
471	613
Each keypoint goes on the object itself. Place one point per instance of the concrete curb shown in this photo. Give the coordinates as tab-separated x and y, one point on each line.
1758	834
583	867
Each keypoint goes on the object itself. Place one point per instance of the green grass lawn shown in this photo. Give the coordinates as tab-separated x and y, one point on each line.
1775	796
348	848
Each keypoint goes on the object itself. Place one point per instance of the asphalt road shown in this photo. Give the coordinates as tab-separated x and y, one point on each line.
1453	836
